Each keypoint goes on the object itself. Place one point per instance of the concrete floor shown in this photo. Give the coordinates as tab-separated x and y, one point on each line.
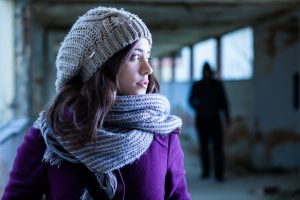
237	186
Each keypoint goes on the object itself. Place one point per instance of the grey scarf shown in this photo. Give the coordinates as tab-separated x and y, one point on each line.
130	127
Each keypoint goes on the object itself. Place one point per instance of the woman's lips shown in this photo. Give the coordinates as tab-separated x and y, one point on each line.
143	83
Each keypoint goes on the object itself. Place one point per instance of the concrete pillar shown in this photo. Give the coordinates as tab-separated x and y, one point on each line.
22	60
173	57
191	63
159	66
219	57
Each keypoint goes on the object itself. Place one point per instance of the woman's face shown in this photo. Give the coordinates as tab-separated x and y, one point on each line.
133	77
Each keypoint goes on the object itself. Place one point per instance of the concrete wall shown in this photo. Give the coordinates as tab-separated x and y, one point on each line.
6	60
277	47
241	101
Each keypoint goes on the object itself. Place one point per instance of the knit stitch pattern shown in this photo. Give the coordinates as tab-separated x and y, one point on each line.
93	39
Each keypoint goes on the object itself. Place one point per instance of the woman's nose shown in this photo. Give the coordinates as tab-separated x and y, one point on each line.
146	69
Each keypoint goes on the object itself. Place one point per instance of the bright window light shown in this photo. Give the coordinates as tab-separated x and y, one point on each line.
182	66
237	55
204	52
166	69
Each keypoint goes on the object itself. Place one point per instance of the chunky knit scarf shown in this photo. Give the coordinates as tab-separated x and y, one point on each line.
129	129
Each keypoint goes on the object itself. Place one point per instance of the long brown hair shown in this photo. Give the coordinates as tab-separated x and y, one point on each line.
80	107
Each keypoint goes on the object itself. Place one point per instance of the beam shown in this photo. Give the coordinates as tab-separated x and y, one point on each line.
178	3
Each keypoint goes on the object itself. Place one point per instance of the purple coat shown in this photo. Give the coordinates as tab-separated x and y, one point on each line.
158	174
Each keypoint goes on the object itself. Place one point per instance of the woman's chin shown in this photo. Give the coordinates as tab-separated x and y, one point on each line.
139	92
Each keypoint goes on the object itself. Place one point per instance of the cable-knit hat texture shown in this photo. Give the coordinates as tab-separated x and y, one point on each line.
93	39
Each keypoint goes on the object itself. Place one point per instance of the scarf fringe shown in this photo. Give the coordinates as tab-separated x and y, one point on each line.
86	195
111	185
52	158
110	181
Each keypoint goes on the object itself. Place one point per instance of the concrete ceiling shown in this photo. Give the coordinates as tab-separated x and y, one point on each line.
173	23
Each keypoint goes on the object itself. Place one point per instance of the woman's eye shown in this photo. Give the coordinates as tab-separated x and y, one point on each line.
135	57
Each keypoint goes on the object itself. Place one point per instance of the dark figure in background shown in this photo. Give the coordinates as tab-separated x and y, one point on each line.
208	99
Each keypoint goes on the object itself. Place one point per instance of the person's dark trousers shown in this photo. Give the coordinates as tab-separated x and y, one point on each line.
210	131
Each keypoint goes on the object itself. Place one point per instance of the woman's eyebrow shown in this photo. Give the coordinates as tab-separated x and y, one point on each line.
141	50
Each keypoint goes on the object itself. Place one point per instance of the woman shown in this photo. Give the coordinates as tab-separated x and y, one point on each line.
107	134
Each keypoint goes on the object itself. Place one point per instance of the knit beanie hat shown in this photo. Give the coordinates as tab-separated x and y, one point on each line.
93	39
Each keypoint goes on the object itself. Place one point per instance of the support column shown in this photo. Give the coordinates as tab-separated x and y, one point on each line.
159	68
218	54
191	63
173	57
22	60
